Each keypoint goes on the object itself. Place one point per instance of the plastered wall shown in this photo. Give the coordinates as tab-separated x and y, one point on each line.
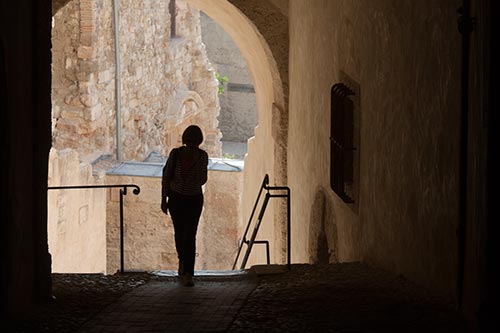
76	217
405	56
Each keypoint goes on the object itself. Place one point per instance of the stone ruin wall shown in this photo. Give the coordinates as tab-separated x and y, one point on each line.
149	235
78	120
76	228
166	83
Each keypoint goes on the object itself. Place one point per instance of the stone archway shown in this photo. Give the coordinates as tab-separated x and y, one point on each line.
185	103
250	31
260	30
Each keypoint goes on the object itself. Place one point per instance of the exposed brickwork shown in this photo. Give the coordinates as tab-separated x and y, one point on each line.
156	71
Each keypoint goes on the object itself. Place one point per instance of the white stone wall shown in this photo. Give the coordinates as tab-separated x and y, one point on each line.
76	217
408	70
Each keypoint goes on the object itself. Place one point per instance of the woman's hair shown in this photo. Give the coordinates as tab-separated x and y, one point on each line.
193	135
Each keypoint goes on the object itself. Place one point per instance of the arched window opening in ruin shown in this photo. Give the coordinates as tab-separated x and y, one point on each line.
166	86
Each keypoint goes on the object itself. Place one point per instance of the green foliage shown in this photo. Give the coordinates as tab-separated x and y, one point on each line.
222	80
229	156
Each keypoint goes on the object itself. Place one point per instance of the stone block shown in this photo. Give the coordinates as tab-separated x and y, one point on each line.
67	125
105	76
68	63
88	66
71	113
89	100
85	52
86	38
93	113
86	5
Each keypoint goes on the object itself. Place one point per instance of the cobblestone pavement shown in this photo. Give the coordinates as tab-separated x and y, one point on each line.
349	297
76	299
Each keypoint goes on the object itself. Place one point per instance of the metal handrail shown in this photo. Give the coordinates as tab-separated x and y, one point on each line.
265	186
265	182
123	191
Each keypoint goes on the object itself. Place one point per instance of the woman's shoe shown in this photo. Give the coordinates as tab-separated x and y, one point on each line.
188	280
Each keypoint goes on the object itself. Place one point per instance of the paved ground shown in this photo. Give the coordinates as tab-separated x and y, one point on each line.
349	297
333	298
166	306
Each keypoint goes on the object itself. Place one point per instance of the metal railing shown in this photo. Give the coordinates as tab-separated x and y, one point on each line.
123	191
269	195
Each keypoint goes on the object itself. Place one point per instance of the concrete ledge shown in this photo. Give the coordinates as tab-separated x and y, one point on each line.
207	275
149	169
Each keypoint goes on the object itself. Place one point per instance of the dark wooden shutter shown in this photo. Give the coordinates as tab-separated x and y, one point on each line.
341	140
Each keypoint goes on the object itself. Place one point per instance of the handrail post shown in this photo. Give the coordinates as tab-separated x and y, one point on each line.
256	229
269	195
267	253
265	182
289	232
122	260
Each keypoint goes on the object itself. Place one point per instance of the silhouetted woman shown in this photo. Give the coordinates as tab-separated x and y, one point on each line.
183	176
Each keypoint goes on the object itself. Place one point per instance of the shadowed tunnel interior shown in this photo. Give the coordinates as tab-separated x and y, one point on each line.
421	175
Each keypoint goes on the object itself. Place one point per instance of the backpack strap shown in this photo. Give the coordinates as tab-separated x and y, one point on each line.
168	172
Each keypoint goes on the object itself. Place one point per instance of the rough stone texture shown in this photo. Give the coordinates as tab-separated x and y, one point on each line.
149	234
220	229
238	113
76	217
84	223
263	158
405	58
82	77
166	83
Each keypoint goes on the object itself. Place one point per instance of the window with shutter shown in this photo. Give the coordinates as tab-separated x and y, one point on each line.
343	141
